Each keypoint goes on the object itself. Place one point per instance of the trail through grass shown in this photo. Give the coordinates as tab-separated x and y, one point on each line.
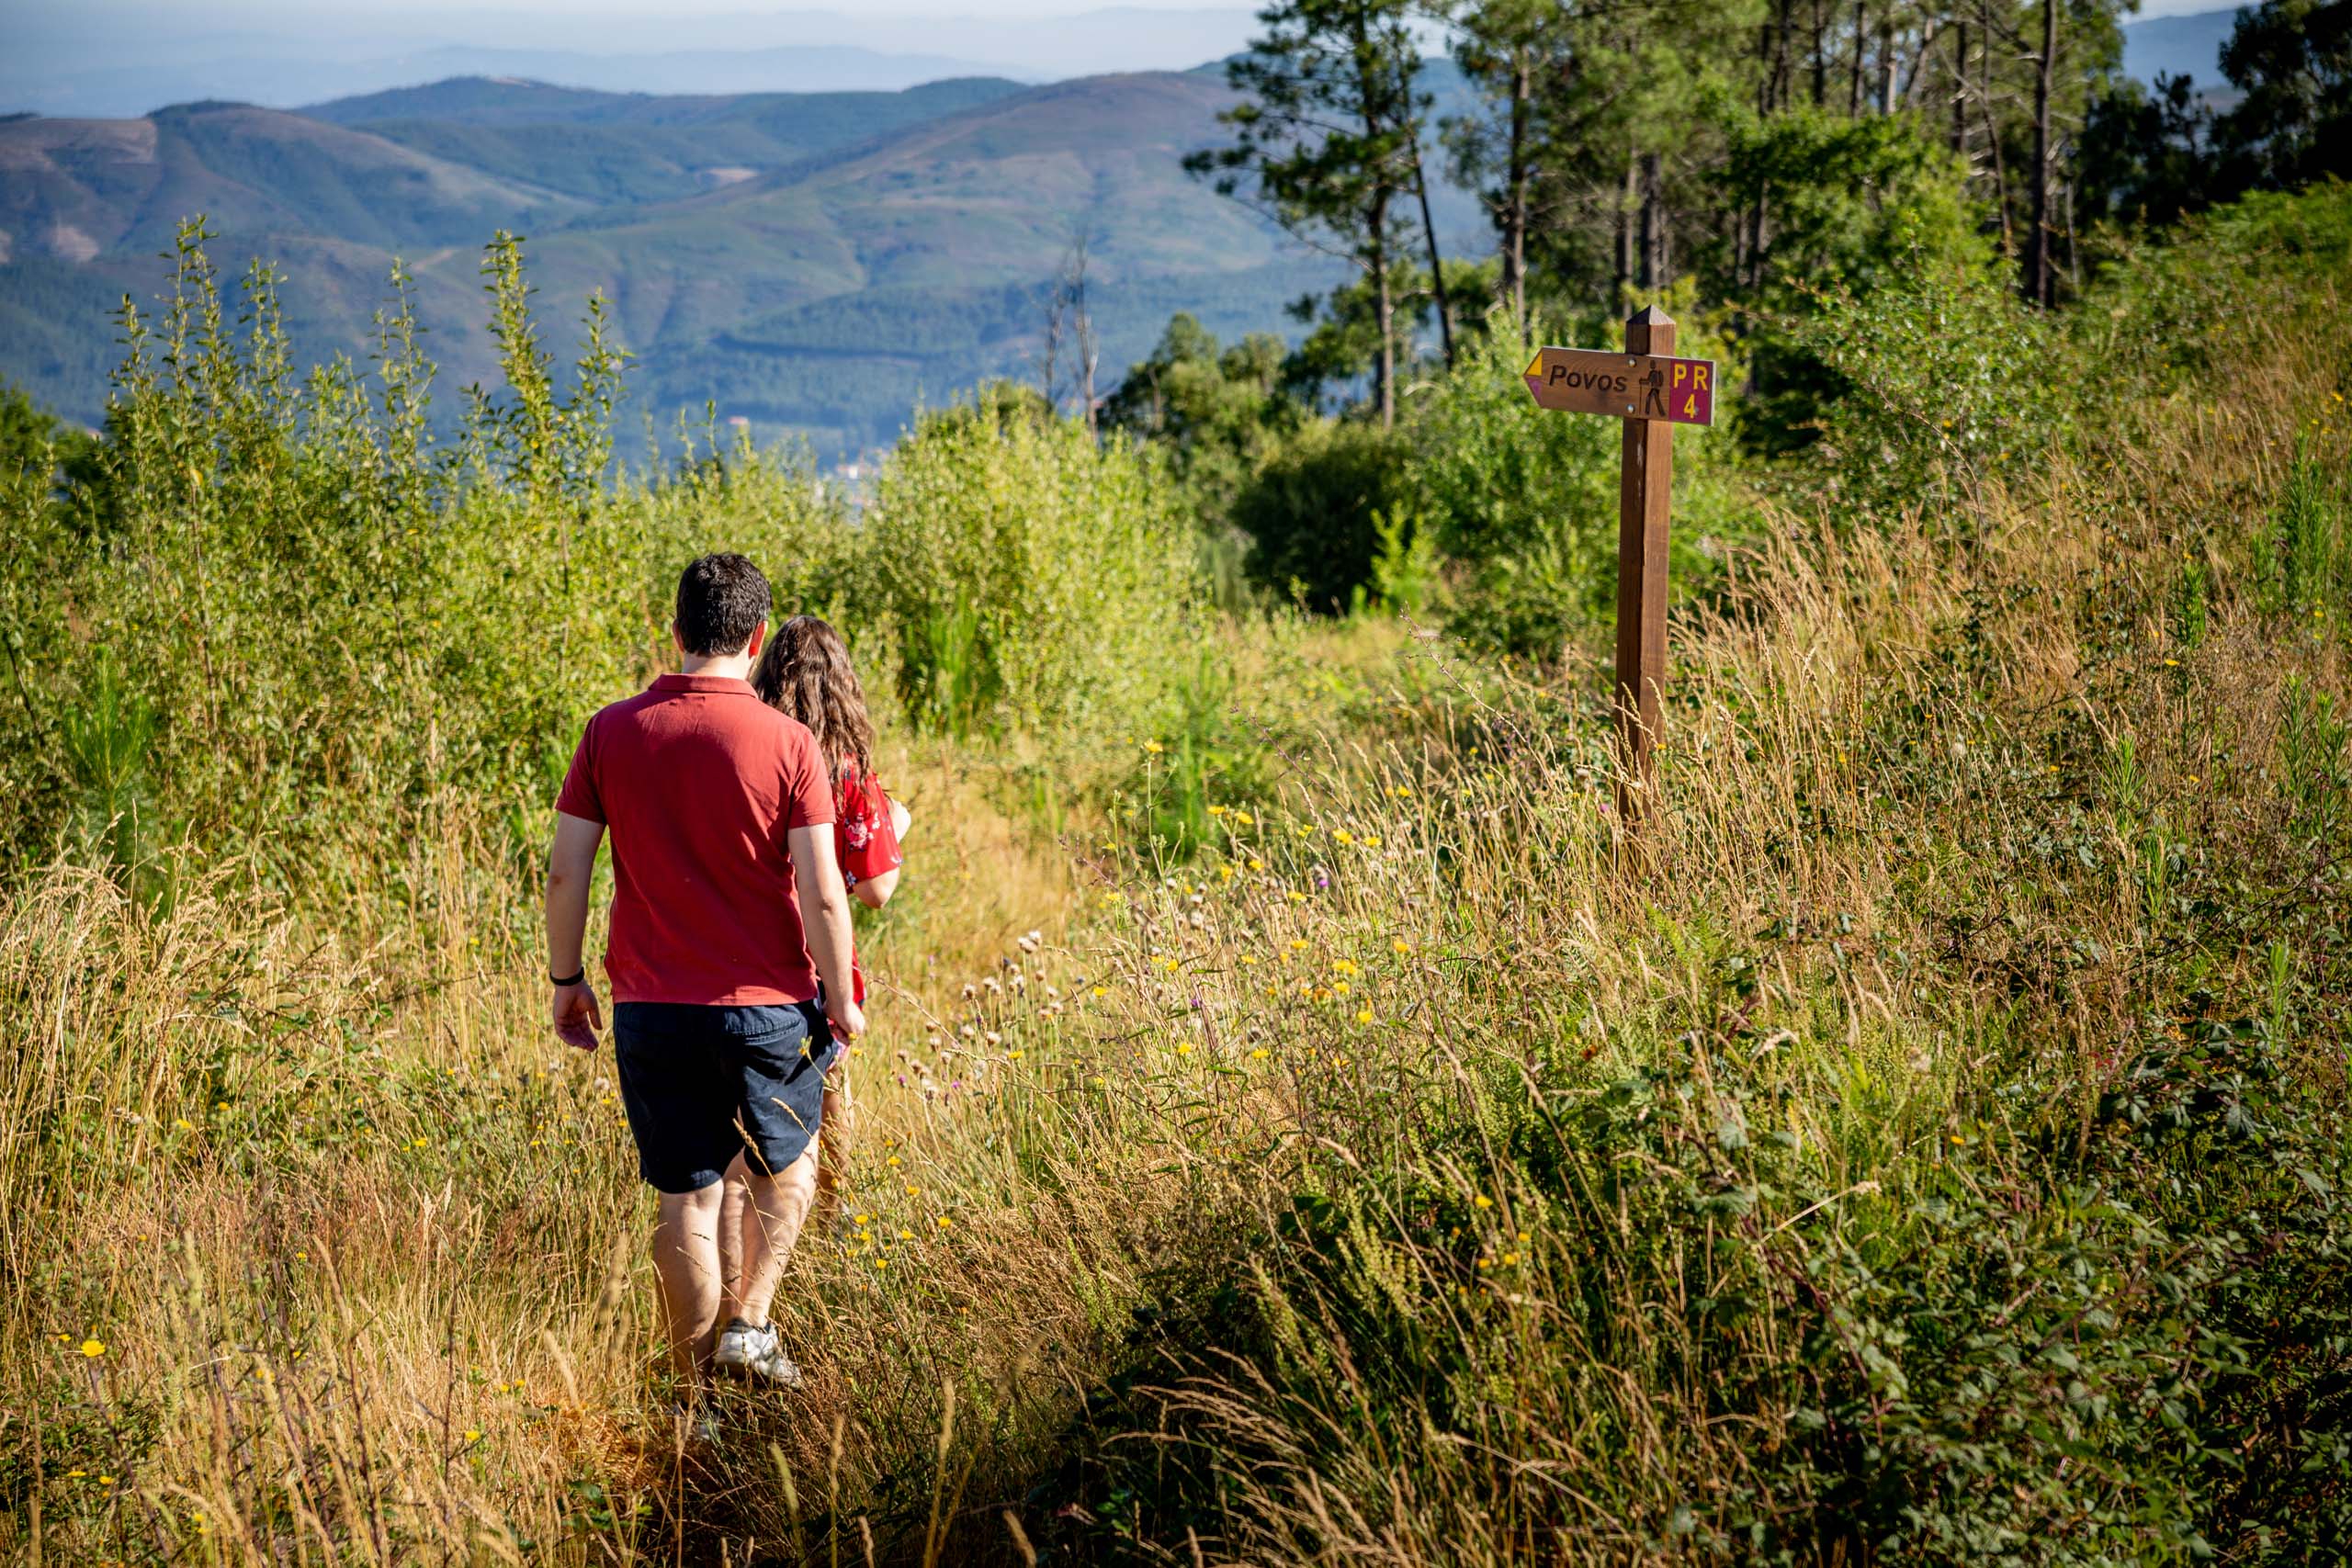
1938	1154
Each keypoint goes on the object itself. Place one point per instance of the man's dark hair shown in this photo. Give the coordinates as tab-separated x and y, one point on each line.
722	599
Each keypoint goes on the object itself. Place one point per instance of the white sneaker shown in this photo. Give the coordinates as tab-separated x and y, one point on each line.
750	1350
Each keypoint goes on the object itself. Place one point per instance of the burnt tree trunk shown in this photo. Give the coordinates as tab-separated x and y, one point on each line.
2039	282
1514	247
1437	263
1384	372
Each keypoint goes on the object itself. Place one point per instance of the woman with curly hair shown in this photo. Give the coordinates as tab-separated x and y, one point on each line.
805	672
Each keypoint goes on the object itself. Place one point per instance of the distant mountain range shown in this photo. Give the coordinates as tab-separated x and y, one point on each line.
114	59
814	263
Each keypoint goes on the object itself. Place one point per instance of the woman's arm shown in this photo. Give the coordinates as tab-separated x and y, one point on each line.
875	891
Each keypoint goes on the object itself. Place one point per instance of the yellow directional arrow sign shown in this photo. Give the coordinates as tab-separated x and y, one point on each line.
1629	386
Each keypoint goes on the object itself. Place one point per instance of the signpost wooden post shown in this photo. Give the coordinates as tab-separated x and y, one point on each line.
1651	392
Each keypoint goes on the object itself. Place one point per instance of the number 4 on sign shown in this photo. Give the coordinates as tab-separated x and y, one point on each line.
1651	392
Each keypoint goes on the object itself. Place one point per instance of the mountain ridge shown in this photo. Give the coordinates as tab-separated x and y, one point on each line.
818	264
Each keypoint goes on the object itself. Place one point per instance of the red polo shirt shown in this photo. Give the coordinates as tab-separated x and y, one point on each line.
700	782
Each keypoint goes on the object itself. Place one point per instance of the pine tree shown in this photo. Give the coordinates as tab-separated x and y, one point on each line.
1326	138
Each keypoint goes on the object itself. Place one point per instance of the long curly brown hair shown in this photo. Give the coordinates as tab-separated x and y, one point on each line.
805	672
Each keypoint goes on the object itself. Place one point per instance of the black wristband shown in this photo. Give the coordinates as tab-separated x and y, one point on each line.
575	980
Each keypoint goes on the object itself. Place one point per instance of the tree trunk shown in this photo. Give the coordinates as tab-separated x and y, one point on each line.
1522	90
1653	227
1756	241
1050	370
1626	228
2074	252
1959	92
1885	67
1436	265
1384	369
1088	356
1915	81
1854	86
1088	352
1993	142
1820	53
1779	78
2039	286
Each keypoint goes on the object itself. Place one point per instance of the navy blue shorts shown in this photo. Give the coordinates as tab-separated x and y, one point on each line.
706	1084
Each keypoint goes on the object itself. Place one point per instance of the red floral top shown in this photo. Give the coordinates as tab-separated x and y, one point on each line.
865	842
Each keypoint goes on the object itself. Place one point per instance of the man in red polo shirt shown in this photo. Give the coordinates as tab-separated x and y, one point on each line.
722	813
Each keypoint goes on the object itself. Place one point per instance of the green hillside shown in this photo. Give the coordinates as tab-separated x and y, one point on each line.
818	262
80	190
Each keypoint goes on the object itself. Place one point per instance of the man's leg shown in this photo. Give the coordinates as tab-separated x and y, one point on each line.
731	1209
773	1210
685	1260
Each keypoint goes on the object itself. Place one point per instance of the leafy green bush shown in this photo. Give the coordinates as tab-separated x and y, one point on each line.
309	616
1851	206
1037	579
1946	380
1945	383
1310	512
1217	412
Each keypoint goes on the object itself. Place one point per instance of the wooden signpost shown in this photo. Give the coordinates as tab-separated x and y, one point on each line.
1651	392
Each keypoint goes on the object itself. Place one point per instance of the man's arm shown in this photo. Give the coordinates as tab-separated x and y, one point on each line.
824	912
571	862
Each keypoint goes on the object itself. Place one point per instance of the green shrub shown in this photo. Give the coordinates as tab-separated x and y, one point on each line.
1310	511
1037	579
282	611
1854	206
1945	381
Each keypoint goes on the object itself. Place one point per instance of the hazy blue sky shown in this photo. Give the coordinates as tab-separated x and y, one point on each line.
126	57
117	57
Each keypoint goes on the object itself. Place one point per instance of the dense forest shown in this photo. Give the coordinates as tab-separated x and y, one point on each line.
1756	165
